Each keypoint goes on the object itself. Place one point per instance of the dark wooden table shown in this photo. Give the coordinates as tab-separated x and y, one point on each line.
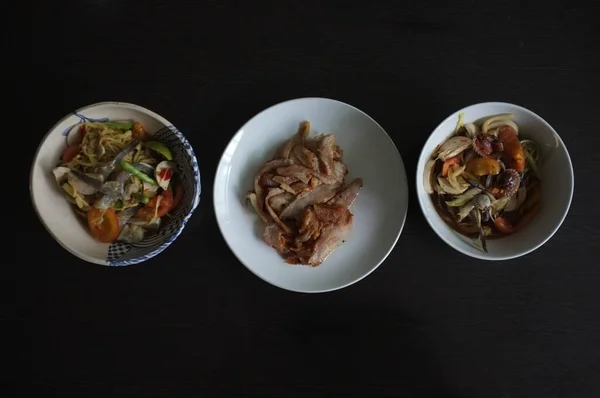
430	321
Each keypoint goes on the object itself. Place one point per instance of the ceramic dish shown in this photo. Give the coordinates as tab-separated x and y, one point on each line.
556	176
379	211
59	216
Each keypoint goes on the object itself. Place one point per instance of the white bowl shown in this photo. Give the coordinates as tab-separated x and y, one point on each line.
557	186
58	216
379	211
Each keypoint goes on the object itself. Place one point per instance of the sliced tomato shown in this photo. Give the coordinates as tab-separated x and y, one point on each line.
177	196
166	201
455	161
104	225
145	213
503	225
70	152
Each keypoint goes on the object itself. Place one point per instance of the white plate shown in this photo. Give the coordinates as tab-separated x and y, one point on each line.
379	211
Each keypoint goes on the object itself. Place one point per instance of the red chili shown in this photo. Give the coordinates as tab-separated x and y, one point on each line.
166	174
82	130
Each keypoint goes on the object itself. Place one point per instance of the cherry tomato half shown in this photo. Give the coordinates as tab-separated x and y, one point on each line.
503	225
165	204
104	225
70	152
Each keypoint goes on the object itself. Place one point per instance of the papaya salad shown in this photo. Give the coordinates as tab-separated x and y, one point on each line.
119	179
484	180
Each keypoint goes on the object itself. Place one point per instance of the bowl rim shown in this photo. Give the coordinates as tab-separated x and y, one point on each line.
373	268
154	252
485	256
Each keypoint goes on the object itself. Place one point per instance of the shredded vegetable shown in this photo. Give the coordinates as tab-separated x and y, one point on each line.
107	172
484	180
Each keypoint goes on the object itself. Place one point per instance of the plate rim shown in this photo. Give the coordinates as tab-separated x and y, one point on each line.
405	194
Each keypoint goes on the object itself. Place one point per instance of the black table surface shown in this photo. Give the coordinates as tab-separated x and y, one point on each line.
429	321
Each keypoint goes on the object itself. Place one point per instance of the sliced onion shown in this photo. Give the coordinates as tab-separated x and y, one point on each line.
427	176
465	210
448	188
464	198
456	180
498	120
471	129
454	146
515	201
61	174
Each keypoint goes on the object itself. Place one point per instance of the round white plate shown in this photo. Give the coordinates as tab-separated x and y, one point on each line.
379	211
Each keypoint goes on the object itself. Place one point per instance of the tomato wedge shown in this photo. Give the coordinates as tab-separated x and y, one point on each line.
70	152
503	225
177	196
165	204
104	225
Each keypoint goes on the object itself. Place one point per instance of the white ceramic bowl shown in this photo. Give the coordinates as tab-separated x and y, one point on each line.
557	190
379	211
57	214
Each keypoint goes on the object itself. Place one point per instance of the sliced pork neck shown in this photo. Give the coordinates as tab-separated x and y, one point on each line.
302	198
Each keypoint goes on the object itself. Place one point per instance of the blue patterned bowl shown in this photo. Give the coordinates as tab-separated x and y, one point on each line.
69	230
